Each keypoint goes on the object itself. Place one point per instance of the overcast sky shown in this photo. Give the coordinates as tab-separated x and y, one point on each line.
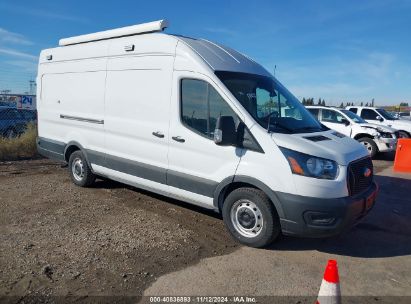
337	50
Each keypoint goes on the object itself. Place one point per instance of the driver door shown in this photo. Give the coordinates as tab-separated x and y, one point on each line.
196	164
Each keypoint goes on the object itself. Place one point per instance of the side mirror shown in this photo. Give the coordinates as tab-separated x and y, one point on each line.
379	118
224	133
345	121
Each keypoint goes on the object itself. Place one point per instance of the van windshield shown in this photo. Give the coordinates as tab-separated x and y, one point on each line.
270	103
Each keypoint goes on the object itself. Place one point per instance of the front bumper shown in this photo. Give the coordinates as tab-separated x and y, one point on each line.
345	212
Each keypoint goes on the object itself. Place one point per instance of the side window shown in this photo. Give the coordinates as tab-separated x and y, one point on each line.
314	112
331	116
201	106
354	110
218	107
369	114
194	108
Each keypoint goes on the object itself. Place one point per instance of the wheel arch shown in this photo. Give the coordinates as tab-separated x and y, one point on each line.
73	146
231	183
361	135
406	132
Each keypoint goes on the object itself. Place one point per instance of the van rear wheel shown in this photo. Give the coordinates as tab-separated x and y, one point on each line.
251	218
80	172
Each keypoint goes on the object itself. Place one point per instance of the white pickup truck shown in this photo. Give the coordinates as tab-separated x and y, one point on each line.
381	117
376	138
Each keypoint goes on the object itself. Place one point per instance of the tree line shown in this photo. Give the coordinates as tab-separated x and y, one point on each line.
321	102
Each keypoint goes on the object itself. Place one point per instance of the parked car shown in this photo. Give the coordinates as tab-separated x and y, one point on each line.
375	138
404	115
13	122
382	117
203	123
400	115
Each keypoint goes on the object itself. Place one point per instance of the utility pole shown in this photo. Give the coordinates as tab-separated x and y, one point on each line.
32	87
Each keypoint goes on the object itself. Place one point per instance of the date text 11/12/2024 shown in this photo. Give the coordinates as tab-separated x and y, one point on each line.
202	299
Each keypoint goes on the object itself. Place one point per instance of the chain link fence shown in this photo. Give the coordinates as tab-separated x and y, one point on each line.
18	126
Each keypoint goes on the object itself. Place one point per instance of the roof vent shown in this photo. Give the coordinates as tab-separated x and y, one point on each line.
155	26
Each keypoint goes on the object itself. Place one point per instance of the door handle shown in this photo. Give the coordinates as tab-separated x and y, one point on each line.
178	138
158	134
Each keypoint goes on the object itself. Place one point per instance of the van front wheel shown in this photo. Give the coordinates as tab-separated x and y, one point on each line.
250	217
80	171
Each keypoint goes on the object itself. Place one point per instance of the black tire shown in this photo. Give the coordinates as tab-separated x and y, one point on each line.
369	145
80	172
403	134
270	227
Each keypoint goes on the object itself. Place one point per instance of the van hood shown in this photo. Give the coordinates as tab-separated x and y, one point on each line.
380	128
328	144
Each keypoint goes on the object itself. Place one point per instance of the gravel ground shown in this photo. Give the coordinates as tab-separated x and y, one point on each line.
374	259
110	243
61	240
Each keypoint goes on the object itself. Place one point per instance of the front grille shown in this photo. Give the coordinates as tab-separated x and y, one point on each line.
357	179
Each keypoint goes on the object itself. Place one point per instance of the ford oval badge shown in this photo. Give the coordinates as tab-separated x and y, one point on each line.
367	172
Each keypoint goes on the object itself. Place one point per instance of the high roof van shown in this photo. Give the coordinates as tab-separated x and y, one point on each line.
200	122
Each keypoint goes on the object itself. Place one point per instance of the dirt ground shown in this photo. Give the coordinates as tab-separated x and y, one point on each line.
61	240
62	243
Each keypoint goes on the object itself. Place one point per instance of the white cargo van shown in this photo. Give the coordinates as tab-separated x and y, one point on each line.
375	138
203	123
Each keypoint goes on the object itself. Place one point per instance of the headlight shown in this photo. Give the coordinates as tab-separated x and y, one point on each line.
311	166
386	135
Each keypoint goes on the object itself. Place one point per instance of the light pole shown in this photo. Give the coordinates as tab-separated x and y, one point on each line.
32	86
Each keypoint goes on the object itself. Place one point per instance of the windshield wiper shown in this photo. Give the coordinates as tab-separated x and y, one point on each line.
278	125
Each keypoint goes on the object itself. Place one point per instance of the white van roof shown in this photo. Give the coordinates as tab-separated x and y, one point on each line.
222	58
148	38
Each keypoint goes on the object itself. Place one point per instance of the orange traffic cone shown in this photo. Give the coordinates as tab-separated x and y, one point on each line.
330	287
402	161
